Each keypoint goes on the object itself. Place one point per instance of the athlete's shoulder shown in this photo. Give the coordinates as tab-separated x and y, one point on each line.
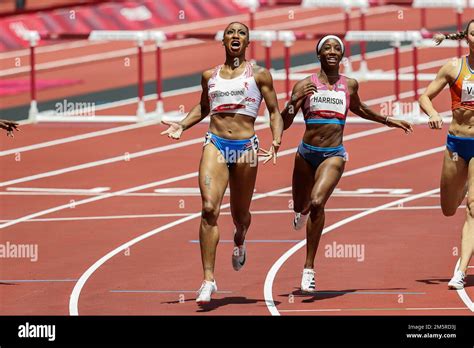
450	69
262	76
206	74
304	81
351	82
260	70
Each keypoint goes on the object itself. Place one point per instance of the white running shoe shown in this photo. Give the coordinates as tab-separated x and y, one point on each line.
206	290
457	282
239	254
308	283
300	221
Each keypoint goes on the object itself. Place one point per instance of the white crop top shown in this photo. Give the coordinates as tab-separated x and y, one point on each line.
238	95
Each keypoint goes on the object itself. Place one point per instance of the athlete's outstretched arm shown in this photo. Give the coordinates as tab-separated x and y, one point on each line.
433	89
265	82
300	90
361	109
196	115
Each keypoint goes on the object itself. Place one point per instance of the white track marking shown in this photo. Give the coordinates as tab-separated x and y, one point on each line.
77	137
254	212
372	309
166	181
36	280
74	298
268	286
58	190
151	151
151	194
93	164
110	160
162	291
462	292
177	92
97	198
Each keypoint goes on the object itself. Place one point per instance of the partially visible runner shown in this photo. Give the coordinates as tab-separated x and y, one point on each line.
325	99
231	94
457	175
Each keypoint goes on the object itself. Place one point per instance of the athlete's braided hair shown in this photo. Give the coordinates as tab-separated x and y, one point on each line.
438	38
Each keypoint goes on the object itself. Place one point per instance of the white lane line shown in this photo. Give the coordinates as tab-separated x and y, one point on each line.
153	194
268	286
124	157
77	137
97	198
37	280
372	309
462	292
164	291
74	298
256	212
111	217
58	190
166	181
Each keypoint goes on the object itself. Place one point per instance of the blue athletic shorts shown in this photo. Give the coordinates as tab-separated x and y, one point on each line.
232	150
464	147
316	155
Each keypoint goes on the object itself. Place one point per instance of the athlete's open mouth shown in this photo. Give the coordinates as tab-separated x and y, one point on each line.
332	59
235	45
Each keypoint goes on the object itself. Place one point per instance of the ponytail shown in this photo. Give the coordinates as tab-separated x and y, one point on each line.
438	38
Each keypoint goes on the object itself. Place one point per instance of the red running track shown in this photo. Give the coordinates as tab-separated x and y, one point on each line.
159	274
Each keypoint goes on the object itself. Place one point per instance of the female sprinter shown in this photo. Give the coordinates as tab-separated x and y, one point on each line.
325	98
457	175
231	94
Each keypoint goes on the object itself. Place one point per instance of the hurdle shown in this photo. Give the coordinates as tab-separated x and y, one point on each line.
457	5
347	6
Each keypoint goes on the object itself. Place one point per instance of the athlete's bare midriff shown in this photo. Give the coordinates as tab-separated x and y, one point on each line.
323	135
232	126
462	124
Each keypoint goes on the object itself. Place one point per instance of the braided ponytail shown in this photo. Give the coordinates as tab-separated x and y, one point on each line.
438	38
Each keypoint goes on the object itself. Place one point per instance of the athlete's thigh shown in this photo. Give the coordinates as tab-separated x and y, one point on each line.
303	182
470	193
242	179
453	180
327	176
213	175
